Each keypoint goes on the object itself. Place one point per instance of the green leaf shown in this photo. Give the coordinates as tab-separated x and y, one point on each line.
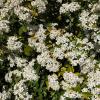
77	88
70	69
63	70
22	29
27	50
98	86
86	95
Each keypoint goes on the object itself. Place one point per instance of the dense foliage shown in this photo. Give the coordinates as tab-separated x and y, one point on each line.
49	49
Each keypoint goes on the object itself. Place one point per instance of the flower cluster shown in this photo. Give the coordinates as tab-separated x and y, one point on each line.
49	49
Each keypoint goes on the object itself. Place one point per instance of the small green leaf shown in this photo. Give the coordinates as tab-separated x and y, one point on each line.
63	70
27	50
77	88
86	95
22	29
70	69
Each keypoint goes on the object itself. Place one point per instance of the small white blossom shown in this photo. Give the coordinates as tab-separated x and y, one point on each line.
69	7
13	43
87	65
29	73
88	21
20	62
95	97
23	13
43	58
52	82
40	47
62	97
54	33
40	4
52	65
13	3
5	95
65	85
32	42
21	91
58	53
72	94
71	78
12	61
85	90
93	79
3	13
1	3
60	1
8	76
4	27
40	33
61	40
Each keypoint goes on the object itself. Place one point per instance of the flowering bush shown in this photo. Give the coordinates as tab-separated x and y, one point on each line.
49	49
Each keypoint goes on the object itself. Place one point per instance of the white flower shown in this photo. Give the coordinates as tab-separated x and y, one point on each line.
85	90
4	26
96	7
88	21
54	33
52	65
58	53
40	47
12	62
68	34
20	62
96	37
87	65
60	1
21	91
64	46
72	94
71	7
40	4
28	72
3	13
61	40
40	33
13	43
93	79
31	63
40	37
5	95
23	13
71	78
31	42
85	40
8	76
52	82
62	97
43	58
65	85
95	91
95	97
2	3
13	3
